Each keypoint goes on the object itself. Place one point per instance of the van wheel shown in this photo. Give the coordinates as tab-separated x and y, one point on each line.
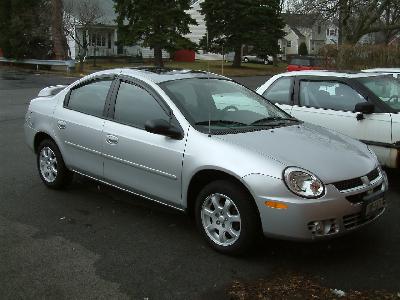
50	163
227	217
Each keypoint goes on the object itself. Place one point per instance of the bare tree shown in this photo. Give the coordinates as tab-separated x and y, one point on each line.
79	18
355	17
391	18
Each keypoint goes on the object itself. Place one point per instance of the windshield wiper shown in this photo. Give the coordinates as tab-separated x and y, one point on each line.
269	120
223	122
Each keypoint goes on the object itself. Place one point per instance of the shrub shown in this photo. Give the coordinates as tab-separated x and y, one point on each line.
303	49
357	57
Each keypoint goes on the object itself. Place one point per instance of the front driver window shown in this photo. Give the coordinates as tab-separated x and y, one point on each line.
329	95
135	106
280	91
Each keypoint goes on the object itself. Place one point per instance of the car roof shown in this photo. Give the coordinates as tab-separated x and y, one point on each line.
382	70
159	75
328	73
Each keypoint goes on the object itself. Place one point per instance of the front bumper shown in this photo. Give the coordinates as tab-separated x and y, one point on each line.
307	219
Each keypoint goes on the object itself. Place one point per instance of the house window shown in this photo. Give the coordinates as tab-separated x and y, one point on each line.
289	44
332	32
109	40
319	29
97	39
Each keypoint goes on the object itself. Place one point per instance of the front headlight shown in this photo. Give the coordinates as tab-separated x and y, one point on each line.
303	183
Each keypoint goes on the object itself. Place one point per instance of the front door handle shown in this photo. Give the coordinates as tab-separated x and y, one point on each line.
112	139
61	124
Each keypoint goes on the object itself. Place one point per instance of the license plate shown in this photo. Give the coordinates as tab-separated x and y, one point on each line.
374	206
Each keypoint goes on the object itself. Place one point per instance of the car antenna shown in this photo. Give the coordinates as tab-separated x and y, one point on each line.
209	110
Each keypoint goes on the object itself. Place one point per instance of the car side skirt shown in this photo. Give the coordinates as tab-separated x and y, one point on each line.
131	192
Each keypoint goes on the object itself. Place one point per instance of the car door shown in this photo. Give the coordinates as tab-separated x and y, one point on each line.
142	162
330	103
79	124
281	93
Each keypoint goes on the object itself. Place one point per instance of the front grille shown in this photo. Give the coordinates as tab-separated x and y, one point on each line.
355	182
373	175
359	197
354	220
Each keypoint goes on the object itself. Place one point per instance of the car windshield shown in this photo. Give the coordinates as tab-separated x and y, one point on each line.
386	87
223	105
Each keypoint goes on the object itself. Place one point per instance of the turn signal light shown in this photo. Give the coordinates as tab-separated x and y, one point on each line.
275	204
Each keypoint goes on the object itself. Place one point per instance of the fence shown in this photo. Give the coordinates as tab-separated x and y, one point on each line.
69	64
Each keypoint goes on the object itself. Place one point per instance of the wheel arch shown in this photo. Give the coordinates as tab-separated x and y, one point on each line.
40	137
206	176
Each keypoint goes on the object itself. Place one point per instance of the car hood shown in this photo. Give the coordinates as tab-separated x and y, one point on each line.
329	155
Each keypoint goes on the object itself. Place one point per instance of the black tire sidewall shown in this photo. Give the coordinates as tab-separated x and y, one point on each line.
250	221
63	174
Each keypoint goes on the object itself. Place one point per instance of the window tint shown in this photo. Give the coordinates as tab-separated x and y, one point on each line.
301	62
135	106
329	95
90	98
280	91
202	100
385	87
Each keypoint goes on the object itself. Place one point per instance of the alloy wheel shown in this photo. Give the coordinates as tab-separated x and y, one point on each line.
221	219
48	164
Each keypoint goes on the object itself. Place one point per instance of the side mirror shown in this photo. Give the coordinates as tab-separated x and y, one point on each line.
162	127
365	108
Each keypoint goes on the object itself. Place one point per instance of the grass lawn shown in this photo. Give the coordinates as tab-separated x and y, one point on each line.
248	69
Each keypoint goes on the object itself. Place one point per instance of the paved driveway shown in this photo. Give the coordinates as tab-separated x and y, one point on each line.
92	241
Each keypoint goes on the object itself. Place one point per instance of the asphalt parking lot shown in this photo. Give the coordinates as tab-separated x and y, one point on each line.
91	241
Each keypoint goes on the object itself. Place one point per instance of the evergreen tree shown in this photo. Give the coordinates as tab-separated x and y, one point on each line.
25	29
158	24
303	49
232	24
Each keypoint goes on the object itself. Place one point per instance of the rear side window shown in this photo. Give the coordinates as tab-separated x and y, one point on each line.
135	106
91	98
329	95
280	91
301	62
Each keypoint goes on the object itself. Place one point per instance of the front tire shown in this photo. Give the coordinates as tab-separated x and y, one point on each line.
227	217
51	166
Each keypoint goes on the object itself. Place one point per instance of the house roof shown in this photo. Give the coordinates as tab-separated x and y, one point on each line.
296	31
300	20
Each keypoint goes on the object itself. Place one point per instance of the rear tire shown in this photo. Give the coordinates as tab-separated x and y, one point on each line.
51	166
246	60
227	217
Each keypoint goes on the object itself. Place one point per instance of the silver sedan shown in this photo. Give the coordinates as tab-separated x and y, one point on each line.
203	144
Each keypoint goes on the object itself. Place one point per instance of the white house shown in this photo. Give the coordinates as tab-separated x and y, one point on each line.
103	36
196	31
308	29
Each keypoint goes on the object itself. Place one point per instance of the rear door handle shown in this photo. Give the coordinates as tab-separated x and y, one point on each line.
61	124
112	139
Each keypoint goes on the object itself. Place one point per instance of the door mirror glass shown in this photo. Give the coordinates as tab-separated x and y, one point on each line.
162	127
365	108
